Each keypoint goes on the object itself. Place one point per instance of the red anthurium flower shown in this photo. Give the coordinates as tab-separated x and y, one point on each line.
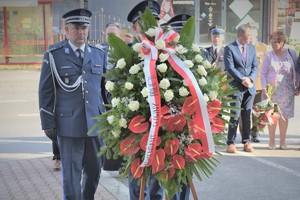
176	123
206	155
144	140
136	169
138	124
264	119
178	161
165	115
129	146
213	108
190	105
217	125
196	131
193	152
158	162
172	146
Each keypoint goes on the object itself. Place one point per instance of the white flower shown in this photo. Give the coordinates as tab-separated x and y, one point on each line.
116	133
169	95
160	44
110	119
123	123
137	47
201	70
202	81
141	56
195	48
134	69
134	105
151	32
115	102
183	92
206	64
144	92
188	63
164	83
163	57
162	67
206	98
181	50
128	85
176	39
121	63
198	58
212	95
109	86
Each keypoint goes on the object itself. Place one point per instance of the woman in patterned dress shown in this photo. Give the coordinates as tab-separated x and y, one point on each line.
278	69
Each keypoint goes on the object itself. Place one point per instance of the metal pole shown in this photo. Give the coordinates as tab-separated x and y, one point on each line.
197	21
102	25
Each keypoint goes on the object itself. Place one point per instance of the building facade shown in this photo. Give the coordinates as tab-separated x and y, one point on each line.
29	27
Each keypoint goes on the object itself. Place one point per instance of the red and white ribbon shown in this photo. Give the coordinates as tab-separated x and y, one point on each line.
151	55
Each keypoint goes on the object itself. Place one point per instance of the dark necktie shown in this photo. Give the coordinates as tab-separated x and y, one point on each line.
80	55
216	52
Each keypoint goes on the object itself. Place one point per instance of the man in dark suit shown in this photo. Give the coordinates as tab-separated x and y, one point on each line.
70	90
241	64
216	51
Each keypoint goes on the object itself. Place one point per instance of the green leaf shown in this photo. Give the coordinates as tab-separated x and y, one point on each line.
187	33
148	20
120	49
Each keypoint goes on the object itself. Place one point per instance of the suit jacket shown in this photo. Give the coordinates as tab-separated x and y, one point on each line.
237	68
71	113
212	57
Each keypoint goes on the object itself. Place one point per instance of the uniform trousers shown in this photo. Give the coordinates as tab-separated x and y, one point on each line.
80	161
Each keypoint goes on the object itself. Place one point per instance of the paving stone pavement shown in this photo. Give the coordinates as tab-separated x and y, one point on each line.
34	179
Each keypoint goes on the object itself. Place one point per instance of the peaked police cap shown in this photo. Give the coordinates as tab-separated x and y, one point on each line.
79	16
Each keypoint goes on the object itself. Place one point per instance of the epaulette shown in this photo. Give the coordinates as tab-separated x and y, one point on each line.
56	46
96	47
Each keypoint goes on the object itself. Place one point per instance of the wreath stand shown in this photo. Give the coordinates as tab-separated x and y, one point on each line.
142	188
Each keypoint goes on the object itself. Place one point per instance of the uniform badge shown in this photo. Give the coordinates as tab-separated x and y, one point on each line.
67	80
67	50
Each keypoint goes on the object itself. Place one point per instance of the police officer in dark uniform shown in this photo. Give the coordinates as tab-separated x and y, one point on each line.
177	22
216	51
71	94
152	191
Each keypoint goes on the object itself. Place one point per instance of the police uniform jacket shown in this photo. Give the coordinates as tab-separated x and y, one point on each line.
214	58
71	111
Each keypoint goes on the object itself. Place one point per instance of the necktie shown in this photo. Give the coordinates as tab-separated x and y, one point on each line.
216	52
244	53
80	55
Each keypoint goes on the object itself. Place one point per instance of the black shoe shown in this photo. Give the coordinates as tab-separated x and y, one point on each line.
254	139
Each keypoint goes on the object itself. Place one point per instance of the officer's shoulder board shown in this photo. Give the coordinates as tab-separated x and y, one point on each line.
96	47
56	46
